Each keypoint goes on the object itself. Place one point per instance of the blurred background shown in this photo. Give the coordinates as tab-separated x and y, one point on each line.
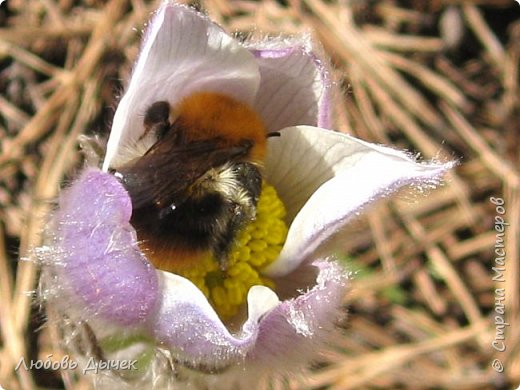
439	78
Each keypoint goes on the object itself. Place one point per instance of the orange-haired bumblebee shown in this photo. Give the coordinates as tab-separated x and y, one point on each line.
199	182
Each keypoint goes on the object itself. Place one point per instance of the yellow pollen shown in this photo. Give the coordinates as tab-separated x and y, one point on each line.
256	246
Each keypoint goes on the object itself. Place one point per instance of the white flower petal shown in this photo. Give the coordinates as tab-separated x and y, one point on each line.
293	88
260	301
327	178
183	52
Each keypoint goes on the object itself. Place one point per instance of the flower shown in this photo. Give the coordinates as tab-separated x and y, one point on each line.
97	274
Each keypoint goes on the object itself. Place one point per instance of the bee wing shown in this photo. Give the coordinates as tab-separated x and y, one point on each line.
163	175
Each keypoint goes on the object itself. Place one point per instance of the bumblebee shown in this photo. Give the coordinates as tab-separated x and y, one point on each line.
198	183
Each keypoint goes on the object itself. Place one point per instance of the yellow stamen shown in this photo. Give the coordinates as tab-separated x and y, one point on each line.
257	246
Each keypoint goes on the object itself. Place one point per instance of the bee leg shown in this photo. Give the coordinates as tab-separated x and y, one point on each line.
240	210
250	179
226	239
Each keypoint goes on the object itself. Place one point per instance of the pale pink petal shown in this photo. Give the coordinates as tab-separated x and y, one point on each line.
275	333
95	268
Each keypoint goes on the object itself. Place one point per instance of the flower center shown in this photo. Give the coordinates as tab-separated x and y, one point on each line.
255	247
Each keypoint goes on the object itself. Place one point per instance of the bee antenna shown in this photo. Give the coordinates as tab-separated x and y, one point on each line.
273	134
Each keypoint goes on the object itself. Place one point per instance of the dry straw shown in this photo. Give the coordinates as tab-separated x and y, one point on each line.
439	78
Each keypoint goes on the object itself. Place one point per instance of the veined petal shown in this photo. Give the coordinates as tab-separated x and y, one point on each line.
183	52
94	256
325	178
294	88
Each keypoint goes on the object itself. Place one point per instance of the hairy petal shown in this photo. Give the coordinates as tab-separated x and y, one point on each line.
183	52
326	178
93	254
295	327
190	328
277	338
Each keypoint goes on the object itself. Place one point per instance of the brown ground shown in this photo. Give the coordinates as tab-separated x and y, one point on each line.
436	77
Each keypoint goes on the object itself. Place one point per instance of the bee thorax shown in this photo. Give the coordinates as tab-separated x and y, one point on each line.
218	205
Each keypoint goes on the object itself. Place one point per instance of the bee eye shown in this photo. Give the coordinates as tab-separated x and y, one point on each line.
157	113
157	119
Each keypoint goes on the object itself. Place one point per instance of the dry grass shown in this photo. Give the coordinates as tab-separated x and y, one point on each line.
438	77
